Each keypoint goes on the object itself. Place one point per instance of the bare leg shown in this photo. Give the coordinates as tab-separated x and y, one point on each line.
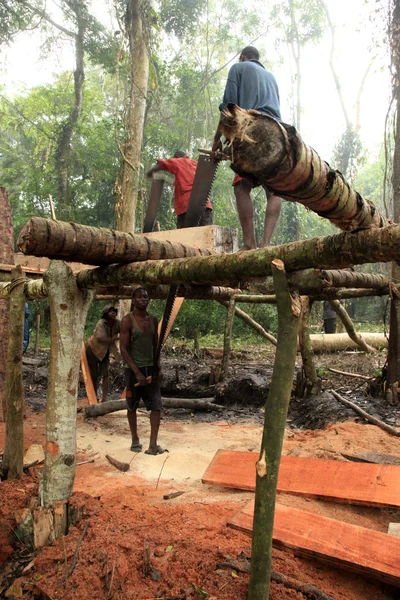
272	212
246	213
105	388
155	418
132	420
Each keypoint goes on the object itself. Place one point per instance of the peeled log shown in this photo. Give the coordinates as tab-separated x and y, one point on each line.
95	245
273	154
337	342
103	408
332	251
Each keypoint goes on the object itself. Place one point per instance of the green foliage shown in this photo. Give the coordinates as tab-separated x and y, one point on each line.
14	17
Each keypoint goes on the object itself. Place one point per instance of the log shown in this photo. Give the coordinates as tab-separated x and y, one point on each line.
366	416
338	342
95	245
103	408
339	250
6	256
273	154
267	466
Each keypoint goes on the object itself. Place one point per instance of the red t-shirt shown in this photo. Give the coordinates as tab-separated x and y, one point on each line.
184	170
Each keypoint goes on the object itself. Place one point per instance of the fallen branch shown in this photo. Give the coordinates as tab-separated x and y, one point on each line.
366	416
75	559
307	589
351	374
172	495
104	408
124	467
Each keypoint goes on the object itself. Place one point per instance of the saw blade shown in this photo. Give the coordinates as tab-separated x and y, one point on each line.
155	194
202	185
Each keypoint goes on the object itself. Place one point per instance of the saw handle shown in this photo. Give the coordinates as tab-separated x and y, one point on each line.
149	380
218	155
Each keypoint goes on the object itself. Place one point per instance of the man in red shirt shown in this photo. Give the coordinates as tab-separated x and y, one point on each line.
184	169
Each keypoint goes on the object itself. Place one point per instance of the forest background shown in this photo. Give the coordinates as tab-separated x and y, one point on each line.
65	100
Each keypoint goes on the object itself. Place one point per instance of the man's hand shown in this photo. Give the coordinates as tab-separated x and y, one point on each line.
115	337
141	379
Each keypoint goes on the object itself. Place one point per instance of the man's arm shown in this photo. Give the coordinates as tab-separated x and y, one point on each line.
153	169
102	336
126	325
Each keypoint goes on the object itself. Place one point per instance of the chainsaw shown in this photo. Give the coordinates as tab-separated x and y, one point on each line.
203	180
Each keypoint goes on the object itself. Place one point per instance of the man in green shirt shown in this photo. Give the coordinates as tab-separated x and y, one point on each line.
138	343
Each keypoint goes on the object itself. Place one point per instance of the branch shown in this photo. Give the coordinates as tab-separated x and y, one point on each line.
45	16
366	415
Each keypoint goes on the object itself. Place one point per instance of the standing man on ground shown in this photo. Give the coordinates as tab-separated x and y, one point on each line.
184	169
251	86
99	347
138	343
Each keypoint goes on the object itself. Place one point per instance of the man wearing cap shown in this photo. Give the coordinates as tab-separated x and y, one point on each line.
100	345
184	169
251	86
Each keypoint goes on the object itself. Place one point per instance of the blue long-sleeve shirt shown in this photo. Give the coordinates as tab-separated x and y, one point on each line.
250	85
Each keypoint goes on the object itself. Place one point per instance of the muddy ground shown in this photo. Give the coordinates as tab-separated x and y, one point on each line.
187	536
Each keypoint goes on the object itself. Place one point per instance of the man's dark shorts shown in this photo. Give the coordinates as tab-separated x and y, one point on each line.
150	394
206	219
98	368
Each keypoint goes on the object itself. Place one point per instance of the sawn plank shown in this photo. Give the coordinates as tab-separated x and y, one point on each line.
361	550
348	482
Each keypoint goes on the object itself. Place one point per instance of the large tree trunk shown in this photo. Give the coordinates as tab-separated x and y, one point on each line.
126	187
6	257
274	428
340	250
68	309
95	245
67	130
14	444
274	154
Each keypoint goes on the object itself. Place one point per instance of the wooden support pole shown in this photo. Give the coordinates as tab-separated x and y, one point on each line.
349	326
307	354
95	245
6	256
14	443
267	467
228	337
37	330
251	322
68	310
340	250
393	370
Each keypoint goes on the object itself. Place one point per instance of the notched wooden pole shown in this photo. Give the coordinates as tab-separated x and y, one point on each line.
289	310
14	443
68	310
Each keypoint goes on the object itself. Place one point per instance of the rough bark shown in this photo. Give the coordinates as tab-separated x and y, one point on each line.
349	326
228	336
14	442
251	322
273	154
104	408
34	289
274	428
95	245
127	185
6	257
307	354
68	309
67	129
340	250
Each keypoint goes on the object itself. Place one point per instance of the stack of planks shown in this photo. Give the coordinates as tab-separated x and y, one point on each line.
362	550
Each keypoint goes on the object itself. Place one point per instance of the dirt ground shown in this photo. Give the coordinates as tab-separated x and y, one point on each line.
187	536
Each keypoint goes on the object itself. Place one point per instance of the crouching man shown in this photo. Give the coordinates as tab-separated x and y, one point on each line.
138	343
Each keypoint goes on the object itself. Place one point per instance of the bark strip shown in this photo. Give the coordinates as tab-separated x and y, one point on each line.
274	427
340	250
274	154
68	310
95	245
14	442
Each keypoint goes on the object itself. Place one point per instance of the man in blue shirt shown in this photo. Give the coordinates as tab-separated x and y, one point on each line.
251	86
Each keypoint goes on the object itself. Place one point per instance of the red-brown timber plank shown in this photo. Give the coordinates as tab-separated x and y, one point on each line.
348	482
90	392
359	549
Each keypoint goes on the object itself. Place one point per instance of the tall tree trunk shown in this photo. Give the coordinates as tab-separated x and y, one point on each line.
228	336
127	184
7	258
65	139
14	444
68	309
274	428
